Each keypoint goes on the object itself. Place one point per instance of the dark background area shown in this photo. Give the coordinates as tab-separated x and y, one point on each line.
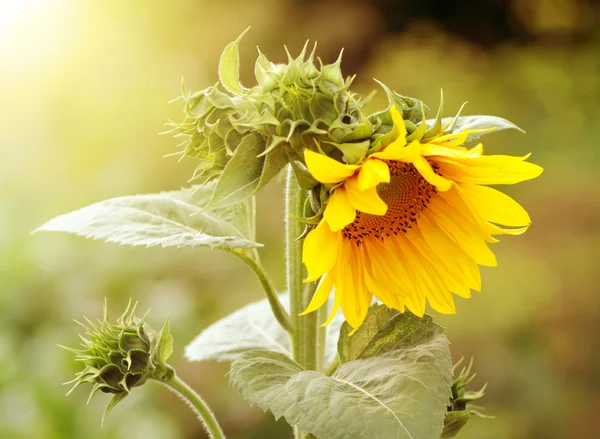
84	88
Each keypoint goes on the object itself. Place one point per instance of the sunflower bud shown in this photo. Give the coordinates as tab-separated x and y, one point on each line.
244	136
460	408
118	357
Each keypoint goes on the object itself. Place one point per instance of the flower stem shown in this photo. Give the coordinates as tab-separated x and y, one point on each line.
204	413
294	204
304	338
278	310
333	366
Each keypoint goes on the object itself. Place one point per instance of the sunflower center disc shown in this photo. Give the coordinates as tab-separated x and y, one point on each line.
406	195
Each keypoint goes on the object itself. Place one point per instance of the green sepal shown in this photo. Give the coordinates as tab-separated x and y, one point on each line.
229	67
352	152
162	350
111	404
410	108
454	422
421	128
436	128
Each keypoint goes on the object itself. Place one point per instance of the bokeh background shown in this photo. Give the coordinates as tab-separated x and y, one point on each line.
84	87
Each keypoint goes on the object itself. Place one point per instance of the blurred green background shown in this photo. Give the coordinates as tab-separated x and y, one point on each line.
84	87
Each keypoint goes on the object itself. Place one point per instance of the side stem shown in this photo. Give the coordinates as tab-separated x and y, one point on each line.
265	281
204	413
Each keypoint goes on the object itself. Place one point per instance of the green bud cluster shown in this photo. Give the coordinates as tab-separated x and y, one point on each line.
460	408
244	136
118	357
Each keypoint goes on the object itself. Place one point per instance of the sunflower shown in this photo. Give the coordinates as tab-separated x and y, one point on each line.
411	223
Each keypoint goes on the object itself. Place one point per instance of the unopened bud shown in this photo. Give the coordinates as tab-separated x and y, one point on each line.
118	357
460	408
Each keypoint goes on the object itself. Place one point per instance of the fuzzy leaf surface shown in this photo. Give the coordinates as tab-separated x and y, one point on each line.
402	394
252	327
168	219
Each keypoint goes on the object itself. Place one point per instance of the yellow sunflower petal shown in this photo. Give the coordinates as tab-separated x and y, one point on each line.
372	279
321	294
495	206
466	235
355	298
320	250
367	201
340	210
396	151
457	201
429	149
448	250
436	292
372	173
388	276
493	169
327	170
399	124
336	306
453	278
496	230
425	169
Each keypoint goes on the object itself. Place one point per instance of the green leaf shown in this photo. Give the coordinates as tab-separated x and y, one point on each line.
384	330
253	327
229	67
162	350
402	394
169	219
475	123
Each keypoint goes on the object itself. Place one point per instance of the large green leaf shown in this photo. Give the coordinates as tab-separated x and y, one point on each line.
252	327
384	330
476	122
168	219
402	394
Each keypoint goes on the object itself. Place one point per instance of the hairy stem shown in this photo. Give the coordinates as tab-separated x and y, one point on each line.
304	338
333	366
294	206
265	281
204	413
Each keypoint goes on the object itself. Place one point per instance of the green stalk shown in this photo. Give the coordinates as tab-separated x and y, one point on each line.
304	337
204	413
294	206
265	281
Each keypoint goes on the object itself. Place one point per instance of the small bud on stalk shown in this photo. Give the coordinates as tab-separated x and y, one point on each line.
118	357
460	408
